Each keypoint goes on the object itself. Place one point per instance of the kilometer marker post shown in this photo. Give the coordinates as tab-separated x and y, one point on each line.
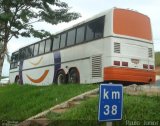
110	103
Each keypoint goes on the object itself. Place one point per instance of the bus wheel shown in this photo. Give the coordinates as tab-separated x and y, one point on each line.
61	78
17	80
73	76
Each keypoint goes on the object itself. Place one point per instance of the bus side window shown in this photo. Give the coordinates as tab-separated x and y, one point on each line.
95	29
63	40
56	42
48	45
12	58
71	37
90	31
30	50
27	52
41	47
22	54
36	46
16	60
80	34
16	57
99	28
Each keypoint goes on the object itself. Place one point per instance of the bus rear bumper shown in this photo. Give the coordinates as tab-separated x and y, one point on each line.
129	75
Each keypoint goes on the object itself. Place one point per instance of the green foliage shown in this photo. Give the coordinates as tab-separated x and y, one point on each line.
85	114
21	102
157	58
17	17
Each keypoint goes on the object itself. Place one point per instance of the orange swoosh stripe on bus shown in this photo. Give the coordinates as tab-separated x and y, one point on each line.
39	79
35	64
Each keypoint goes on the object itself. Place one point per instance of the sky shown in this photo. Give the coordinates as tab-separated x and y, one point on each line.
88	8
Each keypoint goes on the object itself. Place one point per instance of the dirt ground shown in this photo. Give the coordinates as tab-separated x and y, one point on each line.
149	90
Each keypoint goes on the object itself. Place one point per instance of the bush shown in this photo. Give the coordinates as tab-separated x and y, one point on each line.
157	58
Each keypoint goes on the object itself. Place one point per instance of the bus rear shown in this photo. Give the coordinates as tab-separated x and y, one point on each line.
132	55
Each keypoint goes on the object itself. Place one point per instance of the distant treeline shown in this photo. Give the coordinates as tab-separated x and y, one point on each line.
157	58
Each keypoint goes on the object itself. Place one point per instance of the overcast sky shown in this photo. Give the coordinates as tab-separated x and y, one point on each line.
88	8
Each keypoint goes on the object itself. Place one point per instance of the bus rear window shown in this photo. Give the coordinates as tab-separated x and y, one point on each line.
131	23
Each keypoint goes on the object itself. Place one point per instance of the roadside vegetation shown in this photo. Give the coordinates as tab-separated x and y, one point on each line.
157	58
135	108
21	102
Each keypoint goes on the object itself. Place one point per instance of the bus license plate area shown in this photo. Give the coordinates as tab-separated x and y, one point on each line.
135	61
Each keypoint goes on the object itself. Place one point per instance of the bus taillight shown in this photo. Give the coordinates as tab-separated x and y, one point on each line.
124	63
145	66
117	63
151	67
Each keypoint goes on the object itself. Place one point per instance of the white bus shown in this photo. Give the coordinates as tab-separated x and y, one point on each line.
113	46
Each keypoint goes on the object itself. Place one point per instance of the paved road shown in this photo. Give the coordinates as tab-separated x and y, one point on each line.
158	80
158	83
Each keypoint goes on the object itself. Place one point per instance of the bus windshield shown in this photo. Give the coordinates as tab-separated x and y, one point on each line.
131	23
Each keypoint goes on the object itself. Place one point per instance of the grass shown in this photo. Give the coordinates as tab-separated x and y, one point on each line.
21	102
137	108
84	114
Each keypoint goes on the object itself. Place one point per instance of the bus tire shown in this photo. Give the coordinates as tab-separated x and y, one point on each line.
61	78
17	80
73	76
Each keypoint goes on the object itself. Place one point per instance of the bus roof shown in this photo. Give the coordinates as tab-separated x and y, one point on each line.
83	22
75	25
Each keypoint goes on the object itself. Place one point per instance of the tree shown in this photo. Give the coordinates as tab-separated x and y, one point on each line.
157	59
17	18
